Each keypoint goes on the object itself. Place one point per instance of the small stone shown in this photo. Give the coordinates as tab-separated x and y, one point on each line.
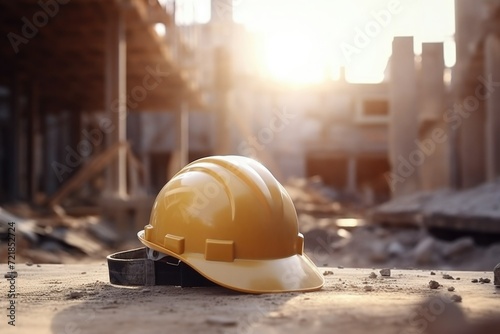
433	284
145	290
457	278
221	321
373	275
340	267
327	272
38	265
474	280
83	272
29	264
451	289
446	276
385	272
456	298
433	273
484	280
368	288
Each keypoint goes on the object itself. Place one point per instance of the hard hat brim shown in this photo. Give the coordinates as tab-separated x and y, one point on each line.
294	273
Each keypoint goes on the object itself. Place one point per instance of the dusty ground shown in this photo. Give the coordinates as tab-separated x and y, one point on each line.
77	298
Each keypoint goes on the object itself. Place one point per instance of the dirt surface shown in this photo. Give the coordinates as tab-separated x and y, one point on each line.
77	298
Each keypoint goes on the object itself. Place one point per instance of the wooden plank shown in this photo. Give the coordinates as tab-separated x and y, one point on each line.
90	169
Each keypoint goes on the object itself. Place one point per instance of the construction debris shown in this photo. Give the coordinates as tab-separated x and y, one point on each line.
385	272
313	197
474	209
44	237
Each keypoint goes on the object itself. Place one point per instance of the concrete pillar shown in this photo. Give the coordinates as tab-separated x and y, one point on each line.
351	175
183	132
434	173
221	90
115	100
403	178
471	130
492	68
180	154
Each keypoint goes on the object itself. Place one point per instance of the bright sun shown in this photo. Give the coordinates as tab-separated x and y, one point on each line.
298	38
285	61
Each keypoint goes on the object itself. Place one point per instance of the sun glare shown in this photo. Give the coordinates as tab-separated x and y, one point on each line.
308	41
295	57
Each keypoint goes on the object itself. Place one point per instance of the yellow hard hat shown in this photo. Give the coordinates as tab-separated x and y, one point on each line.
228	218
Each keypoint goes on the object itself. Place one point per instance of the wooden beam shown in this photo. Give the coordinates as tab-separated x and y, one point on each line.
94	166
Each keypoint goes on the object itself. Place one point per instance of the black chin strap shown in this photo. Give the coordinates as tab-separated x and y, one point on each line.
133	267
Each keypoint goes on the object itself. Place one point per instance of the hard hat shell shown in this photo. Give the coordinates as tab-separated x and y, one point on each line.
228	218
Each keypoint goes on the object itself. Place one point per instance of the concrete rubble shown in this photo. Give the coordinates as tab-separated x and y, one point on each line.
475	209
48	238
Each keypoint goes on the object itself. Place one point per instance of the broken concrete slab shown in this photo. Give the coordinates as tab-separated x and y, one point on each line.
474	209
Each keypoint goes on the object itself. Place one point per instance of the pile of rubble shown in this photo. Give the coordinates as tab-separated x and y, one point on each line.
476	209
52	238
373	246
396	234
